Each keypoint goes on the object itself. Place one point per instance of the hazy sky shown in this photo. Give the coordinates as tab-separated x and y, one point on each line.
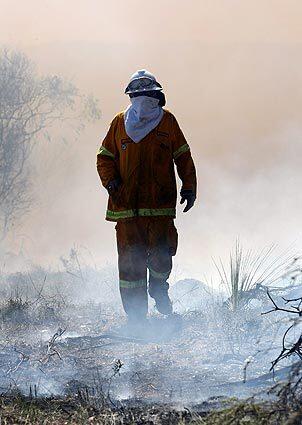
231	71
38	21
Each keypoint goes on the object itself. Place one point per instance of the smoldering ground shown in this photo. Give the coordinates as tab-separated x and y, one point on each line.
51	343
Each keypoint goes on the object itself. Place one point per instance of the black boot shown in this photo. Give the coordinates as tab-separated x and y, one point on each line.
158	290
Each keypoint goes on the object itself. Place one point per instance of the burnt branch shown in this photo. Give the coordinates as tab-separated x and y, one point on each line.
52	350
293	348
294	309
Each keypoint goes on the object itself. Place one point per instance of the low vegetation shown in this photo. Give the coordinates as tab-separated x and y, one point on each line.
70	411
65	362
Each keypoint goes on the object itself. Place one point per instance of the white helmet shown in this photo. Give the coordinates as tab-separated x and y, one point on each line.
141	81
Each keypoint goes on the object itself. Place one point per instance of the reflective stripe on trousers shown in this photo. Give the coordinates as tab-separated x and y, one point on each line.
133	283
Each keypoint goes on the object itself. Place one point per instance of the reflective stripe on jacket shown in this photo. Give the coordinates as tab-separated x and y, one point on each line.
146	169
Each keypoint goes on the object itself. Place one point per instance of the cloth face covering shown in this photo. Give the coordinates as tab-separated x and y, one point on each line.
142	116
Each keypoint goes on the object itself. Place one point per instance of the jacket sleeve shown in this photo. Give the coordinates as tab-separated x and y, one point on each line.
107	156
183	159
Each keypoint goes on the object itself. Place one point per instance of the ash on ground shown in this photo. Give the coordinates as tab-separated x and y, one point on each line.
52	345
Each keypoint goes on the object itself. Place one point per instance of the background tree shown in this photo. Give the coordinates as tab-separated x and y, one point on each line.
29	105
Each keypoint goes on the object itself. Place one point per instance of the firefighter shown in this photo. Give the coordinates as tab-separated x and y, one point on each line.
136	165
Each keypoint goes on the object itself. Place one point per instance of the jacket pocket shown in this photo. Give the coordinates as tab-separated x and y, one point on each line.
162	161
163	172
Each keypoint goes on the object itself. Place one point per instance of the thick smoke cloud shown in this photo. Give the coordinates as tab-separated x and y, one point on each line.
231	73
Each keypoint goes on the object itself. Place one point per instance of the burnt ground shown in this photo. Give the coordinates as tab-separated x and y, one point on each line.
65	359
181	360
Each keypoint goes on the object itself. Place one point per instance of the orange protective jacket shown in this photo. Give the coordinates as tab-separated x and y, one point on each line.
146	169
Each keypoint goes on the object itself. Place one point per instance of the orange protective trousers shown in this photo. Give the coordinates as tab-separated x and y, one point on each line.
144	243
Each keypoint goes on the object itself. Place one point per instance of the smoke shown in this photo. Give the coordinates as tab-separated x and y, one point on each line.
239	106
212	21
231	74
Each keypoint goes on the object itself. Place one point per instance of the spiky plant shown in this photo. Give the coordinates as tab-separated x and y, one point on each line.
248	270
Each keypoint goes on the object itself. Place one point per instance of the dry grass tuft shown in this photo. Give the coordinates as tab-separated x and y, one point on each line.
249	270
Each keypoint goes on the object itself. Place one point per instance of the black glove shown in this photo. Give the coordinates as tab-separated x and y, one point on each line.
113	186
189	196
